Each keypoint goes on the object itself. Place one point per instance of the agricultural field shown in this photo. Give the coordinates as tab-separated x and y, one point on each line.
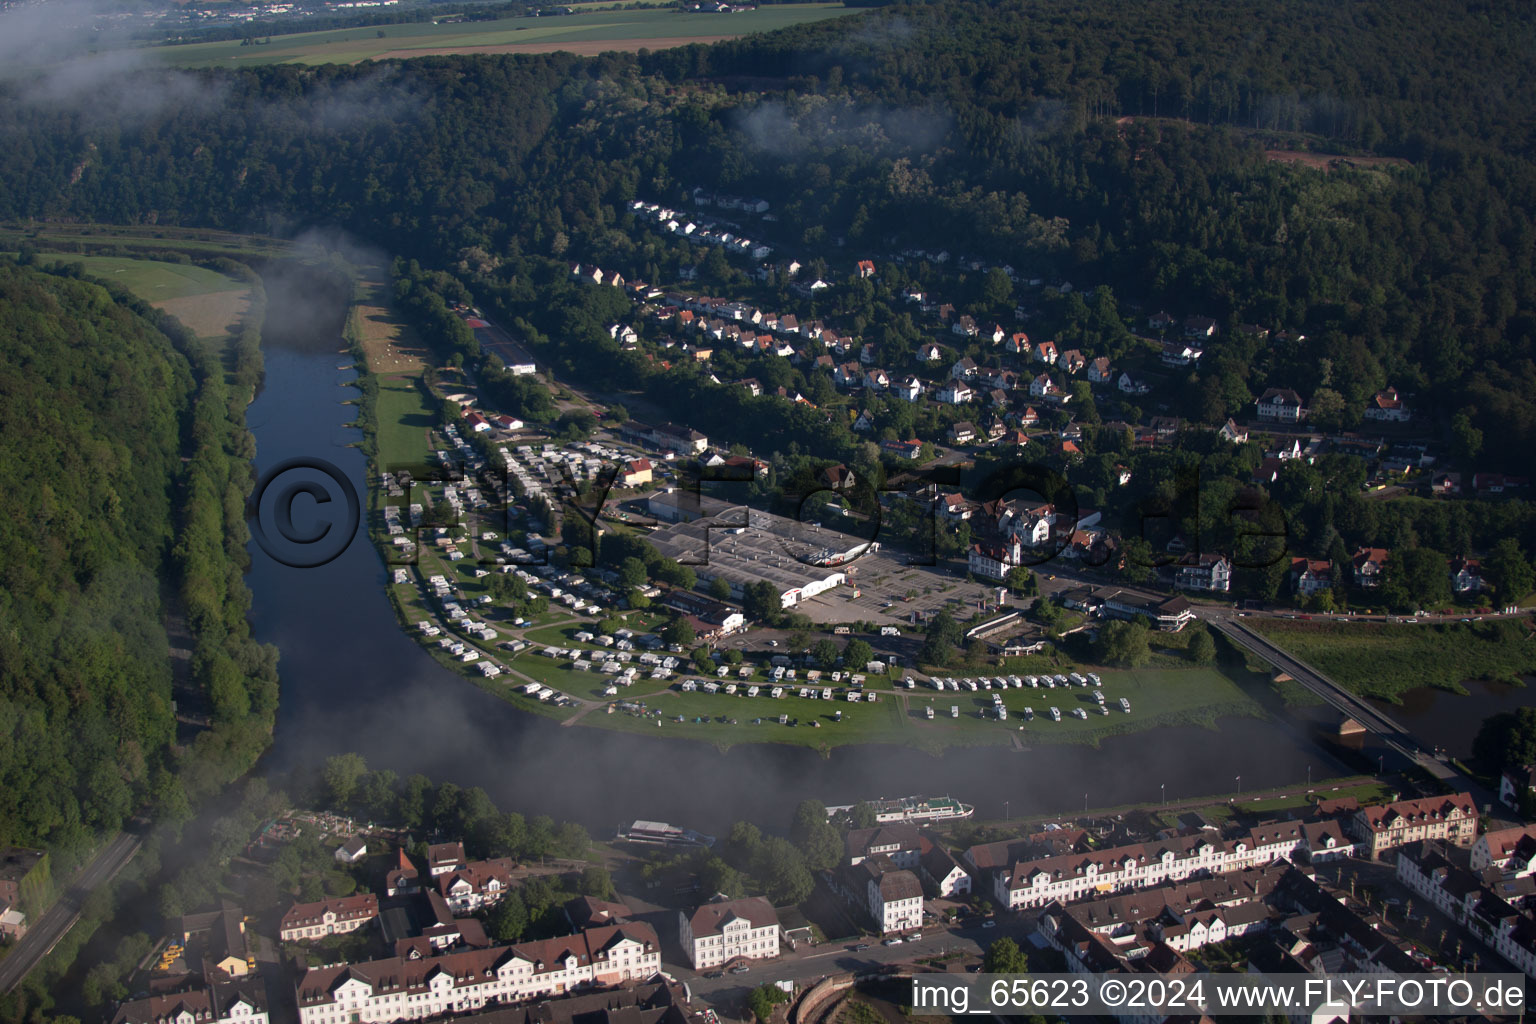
586	33
1384	660
404	419
388	345
207	302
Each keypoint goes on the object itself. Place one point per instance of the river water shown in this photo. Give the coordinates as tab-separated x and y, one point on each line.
353	680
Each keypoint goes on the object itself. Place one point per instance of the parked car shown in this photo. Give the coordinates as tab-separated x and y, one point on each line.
860	947
740	969
891	942
989	924
714	974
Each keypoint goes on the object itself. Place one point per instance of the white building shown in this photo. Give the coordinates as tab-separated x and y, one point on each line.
718	933
307	921
895	897
240	1002
404	988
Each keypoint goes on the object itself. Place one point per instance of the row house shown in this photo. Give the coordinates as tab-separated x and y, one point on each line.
218	1002
1384	827
423	987
1479	905
309	921
717	933
1204	572
1073	876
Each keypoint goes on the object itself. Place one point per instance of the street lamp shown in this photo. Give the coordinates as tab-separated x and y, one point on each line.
1162	787
1005	810
1309	775
1239	785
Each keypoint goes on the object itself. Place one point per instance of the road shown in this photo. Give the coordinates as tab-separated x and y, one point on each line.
1391	733
59	918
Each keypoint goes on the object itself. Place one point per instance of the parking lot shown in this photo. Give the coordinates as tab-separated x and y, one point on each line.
891	591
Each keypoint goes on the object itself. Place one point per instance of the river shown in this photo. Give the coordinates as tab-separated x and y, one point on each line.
353	680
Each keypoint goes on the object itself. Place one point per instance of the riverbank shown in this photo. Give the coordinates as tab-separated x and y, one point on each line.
1386	660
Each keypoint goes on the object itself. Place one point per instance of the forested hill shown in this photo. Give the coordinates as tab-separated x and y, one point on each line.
1132	146
97	408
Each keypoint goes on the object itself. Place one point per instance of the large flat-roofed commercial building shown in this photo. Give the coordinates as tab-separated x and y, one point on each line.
744	546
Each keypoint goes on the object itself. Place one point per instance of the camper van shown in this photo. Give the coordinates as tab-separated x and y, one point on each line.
1098	696
1079	712
954	711
1125	705
929	709
1029	714
1055	714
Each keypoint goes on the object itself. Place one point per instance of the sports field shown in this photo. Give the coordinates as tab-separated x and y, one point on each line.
207	302
586	33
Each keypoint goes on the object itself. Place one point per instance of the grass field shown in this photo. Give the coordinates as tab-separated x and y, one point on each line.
388	345
1385	660
207	302
403	421
586	33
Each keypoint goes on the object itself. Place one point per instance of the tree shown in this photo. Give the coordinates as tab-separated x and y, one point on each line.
679	631
814	835
857	654
1022	580
720	589
632	573
781	869
996	289
824	653
1506	740
1138	560
762	1000
1416	578
1466	439
1202	649
1124	644
760	601
508	919
1005	957
341	775
863	814
596	882
1508	571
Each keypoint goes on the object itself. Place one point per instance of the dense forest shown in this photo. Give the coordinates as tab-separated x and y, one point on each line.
1075	140
122	481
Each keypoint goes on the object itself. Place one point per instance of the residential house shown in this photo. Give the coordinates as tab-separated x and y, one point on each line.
751	386
956	392
477	422
403	878
351	851
929	353
912	449
869	353
1132	385
866	268
1043	387
964	369
1511	851
1482	907
635	473
1369	564
940	869
445	857
1046	353
1515	784
895	896
962	432
718	933
993	559
837	476
1204	572
955	506
899	841
1159	321
1099	371
1445	484
1466	575
1199	327
848	375
877	379
309	921
1180	353
1017	344
1281	405
965	326
1311	575
1253	331
1379	828
908	388
1233	433
1388	407
1072	360
477	884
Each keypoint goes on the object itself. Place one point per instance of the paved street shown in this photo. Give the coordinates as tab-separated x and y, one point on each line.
59	918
